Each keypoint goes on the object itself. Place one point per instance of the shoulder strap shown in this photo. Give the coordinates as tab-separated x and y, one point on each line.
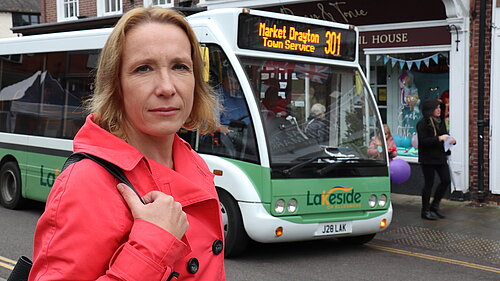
433	126
110	167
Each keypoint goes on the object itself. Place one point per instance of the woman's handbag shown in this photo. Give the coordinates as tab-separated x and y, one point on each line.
22	268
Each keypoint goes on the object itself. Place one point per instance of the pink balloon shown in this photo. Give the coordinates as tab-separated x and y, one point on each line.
414	141
399	171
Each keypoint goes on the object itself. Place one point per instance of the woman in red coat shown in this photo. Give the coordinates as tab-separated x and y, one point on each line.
148	85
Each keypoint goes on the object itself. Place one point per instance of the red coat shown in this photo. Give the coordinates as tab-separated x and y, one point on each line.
87	231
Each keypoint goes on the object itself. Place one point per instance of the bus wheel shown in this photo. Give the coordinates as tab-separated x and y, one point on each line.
357	240
10	186
236	238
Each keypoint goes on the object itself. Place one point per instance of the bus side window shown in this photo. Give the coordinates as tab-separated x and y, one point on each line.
235	136
42	93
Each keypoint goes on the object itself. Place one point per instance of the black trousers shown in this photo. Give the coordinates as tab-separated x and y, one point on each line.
443	172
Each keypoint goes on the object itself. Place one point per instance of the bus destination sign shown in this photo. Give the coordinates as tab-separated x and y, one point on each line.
289	37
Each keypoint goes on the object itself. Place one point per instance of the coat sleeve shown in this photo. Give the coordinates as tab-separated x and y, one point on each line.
391	148
87	233
426	135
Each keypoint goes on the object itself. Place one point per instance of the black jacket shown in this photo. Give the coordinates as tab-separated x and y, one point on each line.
430	149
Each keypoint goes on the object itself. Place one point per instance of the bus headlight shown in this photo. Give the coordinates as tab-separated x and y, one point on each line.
279	207
382	201
372	201
292	205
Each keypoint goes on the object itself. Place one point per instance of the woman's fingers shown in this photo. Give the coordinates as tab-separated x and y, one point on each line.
160	209
133	201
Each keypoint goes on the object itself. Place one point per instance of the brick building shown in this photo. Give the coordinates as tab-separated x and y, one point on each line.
68	10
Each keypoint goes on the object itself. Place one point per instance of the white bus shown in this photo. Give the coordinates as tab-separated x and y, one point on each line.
291	156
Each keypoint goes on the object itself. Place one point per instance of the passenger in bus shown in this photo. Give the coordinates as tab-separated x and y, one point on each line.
375	149
95	228
273	105
231	98
317	127
432	157
233	117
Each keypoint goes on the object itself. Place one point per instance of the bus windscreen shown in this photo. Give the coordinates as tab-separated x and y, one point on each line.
289	37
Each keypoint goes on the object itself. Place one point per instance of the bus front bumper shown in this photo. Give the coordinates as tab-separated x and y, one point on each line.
261	226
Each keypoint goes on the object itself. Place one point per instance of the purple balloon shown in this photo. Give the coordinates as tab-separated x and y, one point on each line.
399	170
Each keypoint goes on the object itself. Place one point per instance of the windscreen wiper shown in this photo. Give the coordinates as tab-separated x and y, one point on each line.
332	166
290	170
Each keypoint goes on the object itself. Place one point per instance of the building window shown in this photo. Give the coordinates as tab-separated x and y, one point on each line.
70	8
159	3
67	10
109	7
112	6
19	19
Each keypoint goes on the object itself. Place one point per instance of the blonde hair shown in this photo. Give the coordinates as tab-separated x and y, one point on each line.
107	100
387	130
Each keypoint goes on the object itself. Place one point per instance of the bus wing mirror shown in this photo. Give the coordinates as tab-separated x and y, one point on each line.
205	56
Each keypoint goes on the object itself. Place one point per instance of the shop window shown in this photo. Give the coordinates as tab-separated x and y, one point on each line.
400	83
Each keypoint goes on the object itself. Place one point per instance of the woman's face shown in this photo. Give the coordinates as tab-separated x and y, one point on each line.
437	112
157	80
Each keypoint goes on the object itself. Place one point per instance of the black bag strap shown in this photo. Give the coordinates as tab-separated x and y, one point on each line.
110	167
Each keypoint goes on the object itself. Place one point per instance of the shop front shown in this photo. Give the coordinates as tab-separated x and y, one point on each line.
410	53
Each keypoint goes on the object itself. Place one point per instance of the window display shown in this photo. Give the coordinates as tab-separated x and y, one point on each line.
401	82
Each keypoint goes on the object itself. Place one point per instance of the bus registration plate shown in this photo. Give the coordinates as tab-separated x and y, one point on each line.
333	228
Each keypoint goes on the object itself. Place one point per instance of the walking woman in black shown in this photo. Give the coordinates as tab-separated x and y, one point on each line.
432	134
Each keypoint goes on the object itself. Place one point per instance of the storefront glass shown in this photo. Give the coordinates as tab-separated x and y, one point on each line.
400	82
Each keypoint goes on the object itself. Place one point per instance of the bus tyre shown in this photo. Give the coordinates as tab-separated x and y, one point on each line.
357	240
10	186
236	238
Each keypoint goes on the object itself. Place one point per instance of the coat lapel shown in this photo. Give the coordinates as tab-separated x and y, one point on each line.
190	182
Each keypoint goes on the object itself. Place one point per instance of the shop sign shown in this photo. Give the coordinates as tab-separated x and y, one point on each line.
405	37
362	12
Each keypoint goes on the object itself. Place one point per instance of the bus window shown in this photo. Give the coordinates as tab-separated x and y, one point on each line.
42	93
312	111
235	136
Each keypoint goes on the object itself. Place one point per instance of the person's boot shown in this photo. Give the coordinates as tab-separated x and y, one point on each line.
428	215
437	212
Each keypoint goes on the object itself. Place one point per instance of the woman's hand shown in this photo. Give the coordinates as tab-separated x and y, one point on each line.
160	209
443	137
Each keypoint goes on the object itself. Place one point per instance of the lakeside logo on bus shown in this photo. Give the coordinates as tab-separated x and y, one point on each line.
48	178
276	35
347	198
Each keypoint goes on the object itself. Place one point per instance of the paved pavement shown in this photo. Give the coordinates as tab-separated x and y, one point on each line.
468	232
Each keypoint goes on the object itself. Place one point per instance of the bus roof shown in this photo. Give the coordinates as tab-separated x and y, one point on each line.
55	42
